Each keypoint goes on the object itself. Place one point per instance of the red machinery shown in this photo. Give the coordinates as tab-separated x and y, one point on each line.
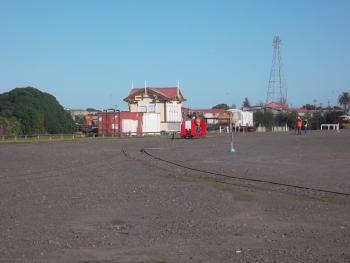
195	127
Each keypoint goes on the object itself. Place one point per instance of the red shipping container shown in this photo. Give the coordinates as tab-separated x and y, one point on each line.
119	123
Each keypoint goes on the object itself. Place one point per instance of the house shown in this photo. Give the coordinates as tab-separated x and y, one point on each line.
275	107
166	101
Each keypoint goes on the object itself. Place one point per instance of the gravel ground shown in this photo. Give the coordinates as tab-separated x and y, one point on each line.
105	201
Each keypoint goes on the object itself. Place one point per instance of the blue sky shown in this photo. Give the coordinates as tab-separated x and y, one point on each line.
86	53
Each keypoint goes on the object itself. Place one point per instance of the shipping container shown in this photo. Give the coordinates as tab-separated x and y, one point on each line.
108	123
119	123
150	123
241	118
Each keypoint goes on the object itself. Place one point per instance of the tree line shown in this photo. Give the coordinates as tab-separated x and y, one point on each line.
268	118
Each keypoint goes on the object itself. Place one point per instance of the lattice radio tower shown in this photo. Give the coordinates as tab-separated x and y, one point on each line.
277	90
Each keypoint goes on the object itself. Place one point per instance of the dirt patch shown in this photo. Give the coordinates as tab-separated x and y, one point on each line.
237	193
117	225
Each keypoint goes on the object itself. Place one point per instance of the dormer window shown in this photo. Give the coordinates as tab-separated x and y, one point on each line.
151	108
142	109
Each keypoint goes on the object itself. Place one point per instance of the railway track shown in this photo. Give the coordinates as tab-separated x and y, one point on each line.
261	184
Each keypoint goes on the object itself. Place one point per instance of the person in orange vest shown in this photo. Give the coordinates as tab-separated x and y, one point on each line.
299	125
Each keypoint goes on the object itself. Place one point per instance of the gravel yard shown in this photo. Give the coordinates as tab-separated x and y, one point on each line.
107	201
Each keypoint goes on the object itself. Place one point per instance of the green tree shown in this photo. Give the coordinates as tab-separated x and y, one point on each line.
15	125
4	126
264	118
308	107
222	106
316	120
246	103
281	119
344	100
31	111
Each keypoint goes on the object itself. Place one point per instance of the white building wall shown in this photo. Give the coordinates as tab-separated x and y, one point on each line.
133	107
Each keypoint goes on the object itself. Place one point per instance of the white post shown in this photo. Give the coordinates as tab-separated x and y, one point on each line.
232	150
220	128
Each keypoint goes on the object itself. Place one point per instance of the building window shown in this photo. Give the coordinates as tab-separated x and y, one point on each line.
173	113
151	108
142	109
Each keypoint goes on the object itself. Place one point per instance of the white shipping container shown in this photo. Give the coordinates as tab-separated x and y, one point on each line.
247	119
242	118
151	123
129	126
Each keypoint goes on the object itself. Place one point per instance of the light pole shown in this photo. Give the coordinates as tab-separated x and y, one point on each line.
232	150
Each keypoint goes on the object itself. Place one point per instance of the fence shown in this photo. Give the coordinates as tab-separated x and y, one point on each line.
330	127
64	137
39	137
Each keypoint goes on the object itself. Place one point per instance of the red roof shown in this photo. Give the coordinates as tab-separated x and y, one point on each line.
275	106
166	92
